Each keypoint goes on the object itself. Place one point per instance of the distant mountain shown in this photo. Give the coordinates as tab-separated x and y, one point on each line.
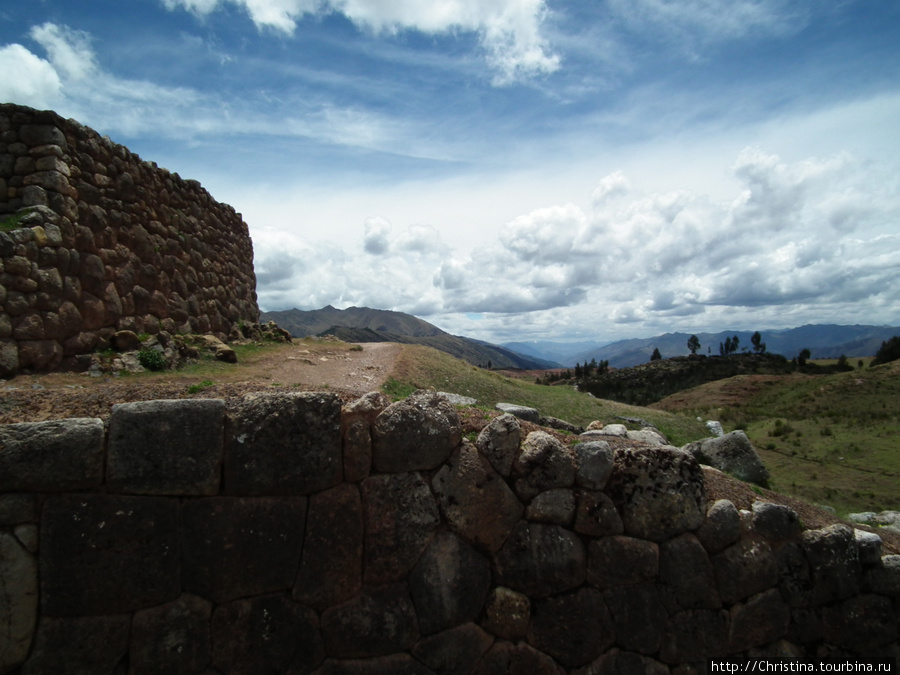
362	324
562	352
825	341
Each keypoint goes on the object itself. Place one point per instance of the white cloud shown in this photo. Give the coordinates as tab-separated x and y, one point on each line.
69	50
27	79
509	30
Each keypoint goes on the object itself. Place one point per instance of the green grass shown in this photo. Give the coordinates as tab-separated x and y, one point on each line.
422	368
832	439
10	223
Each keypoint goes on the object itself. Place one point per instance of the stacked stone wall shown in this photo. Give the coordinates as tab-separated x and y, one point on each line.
288	534
94	240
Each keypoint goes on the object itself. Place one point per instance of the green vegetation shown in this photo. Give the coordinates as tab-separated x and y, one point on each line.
12	222
422	368
830	439
889	351
197	388
152	359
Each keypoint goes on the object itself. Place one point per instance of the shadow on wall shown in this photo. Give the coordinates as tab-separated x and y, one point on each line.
290	535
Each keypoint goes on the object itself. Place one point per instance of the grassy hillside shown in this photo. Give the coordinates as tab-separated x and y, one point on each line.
831	439
421	367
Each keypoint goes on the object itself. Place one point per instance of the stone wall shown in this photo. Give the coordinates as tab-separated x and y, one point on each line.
284	533
94	240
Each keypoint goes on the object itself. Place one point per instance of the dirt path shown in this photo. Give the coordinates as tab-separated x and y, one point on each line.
348	370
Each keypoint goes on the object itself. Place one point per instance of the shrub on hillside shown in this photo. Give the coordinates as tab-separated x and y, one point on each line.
152	359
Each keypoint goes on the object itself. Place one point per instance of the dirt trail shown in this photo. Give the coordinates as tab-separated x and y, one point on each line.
349	371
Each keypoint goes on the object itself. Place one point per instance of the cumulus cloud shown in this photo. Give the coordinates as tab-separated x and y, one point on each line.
28	79
668	261
509	30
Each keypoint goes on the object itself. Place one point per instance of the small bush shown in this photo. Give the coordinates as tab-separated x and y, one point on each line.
152	359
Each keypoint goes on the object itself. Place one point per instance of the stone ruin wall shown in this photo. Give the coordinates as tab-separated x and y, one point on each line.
284	533
104	241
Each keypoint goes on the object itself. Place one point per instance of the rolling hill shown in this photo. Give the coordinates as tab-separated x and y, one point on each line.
362	324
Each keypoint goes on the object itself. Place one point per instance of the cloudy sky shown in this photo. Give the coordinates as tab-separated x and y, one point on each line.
513	169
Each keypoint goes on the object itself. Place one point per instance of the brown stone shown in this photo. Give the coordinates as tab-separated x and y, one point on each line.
686	575
574	628
379	621
761	619
86	644
506	658
540	560
172	638
746	568
544	463
638	617
621	561
18	601
596	515
453	651
507	613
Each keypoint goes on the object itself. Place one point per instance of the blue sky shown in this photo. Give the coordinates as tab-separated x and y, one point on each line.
513	169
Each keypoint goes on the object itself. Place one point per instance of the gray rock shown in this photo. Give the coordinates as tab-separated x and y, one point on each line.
235	547
507	658
621	561
659	492
170	447
379	621
686	575
639	617
401	517
573	628
520	411
18	601
357	422
745	568
619	430
84	644
648	436
18	508
543	464
869	545
540	560
507	613
834	563
449	584
171	638
458	399
284	444
270	634
615	662
758	621
561	425
594	464
395	664
596	515
775	521
499	442
477	503
51	456
721	528
733	454
695	635
454	651
555	506
861	623
105	554
415	434
715	428
884	578
331	564
866	517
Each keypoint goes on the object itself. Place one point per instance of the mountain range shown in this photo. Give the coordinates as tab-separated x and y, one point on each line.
825	341
362	324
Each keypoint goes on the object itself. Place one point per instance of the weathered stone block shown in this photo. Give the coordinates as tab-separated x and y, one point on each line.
695	635
284	444
722	526
775	521
506	658
762	619
507	613
621	561
401	517
166	447
594	462
686	575
477	503
659	492
540	560
103	554
51	456
834	563
544	463
732	453
884	578
638	617
746	568
270	634
862	623
555	506
89	644
396	664
453	651
499	442
331	565
172	639
626	663
573	628
415	434
357	420
236	547
869	545
449	584
18	601
596	515
379	621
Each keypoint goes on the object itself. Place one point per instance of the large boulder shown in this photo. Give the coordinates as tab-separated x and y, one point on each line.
415	434
733	454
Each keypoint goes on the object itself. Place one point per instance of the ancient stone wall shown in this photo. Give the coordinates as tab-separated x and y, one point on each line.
93	240
286	534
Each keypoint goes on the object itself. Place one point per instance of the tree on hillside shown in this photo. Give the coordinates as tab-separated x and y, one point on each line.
758	345
693	344
804	356
889	351
655	356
